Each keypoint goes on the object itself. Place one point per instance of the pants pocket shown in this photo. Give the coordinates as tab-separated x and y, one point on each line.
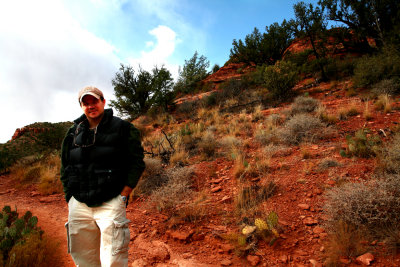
121	237
68	238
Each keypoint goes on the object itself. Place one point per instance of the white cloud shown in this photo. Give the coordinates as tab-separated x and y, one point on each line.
166	40
46	57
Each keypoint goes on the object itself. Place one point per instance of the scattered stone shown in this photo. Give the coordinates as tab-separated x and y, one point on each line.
318	230
345	260
322	249
331	182
217	181
182	236
283	258
227	248
310	221
155	250
139	263
304	206
253	260
317	191
33	194
365	259
7	191
226	262
46	199
216	189
301	252
315	263
226	199
198	237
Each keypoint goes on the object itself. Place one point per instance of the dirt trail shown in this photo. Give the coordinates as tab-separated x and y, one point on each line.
52	212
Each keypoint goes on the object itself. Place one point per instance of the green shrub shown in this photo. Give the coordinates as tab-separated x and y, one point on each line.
187	107
231	88
337	68
362	145
280	79
372	69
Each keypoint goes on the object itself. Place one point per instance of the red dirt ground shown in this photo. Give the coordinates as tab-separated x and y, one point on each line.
188	244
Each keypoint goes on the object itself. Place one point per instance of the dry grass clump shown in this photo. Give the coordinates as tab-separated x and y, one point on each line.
257	114
250	196
193	210
325	116
179	157
153	177
351	110
374	205
345	241
208	145
276	150
301	127
50	182
266	134
384	103
327	163
358	211
45	173
367	112
175	191
390	157
240	165
386	87
303	104
35	251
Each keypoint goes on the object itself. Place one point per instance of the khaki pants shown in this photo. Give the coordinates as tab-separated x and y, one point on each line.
98	236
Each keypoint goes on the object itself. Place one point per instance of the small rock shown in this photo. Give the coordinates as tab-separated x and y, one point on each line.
331	182
139	263
217	181
315	263
283	258
198	237
253	260
322	249
34	194
226	199
182	236
310	221
365	259
227	248
46	200
304	206
226	262
318	230
317	191
345	260
216	189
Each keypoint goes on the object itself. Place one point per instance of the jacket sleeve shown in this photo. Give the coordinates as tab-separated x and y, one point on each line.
65	147
135	157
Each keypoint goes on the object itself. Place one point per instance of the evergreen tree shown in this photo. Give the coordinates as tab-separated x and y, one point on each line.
194	70
137	92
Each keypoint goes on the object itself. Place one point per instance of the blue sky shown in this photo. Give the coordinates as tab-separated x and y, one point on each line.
49	49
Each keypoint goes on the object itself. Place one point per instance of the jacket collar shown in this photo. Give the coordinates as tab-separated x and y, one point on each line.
108	114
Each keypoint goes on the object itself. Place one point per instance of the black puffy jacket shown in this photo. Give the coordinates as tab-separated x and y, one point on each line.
98	163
